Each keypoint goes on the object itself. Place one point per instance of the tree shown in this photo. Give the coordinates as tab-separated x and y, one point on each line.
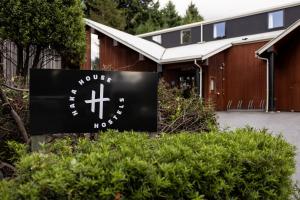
137	12
154	21
192	15
170	16
43	29
105	12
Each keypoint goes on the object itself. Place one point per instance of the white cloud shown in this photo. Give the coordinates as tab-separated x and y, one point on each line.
212	9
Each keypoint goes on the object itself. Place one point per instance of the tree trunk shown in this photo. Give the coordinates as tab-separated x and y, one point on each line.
15	116
20	66
37	56
26	63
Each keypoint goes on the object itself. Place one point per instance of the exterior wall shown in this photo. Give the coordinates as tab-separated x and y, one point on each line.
238	76
122	58
245	76
287	73
248	25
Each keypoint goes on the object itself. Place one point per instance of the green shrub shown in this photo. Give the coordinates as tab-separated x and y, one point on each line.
236	165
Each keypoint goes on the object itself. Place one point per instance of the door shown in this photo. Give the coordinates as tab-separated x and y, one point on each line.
216	91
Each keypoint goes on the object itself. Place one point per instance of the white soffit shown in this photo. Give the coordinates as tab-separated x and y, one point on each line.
278	38
142	46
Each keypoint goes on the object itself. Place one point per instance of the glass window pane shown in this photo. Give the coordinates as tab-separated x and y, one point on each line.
276	19
219	30
186	36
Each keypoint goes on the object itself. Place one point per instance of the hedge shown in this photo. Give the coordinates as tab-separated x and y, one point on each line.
244	164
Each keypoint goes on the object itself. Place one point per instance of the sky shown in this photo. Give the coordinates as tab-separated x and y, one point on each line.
214	9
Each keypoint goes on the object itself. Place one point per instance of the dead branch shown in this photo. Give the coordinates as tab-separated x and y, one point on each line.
15	116
4	164
14	88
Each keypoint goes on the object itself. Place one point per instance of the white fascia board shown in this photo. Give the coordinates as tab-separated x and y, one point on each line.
122	41
181	59
278	38
216	51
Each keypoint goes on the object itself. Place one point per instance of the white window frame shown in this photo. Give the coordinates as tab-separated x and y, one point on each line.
216	30
181	36
271	19
157	39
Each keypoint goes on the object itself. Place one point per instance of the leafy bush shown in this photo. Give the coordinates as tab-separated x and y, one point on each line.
235	165
177	113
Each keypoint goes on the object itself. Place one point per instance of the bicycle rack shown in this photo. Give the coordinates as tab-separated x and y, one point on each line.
250	104
240	103
229	104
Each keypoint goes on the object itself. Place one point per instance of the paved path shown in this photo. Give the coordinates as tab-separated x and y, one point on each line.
286	123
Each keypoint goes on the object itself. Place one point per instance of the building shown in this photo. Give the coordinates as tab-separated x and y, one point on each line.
246	62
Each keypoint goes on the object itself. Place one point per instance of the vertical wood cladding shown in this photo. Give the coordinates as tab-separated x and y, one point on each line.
215	73
122	58
245	75
287	73
87	63
238	76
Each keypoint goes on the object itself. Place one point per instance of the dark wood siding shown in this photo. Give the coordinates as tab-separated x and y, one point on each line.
287	73
245	75
238	76
122	58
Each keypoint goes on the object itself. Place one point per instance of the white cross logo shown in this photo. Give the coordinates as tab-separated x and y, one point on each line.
101	100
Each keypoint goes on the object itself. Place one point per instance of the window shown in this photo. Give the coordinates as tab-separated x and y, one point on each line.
95	51
219	30
157	38
276	19
186	36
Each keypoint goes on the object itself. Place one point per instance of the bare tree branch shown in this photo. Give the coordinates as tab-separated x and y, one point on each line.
15	116
14	88
4	164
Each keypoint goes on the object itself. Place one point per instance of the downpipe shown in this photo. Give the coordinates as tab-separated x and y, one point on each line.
200	78
267	99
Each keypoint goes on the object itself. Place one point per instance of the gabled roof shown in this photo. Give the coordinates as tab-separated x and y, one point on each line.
205	50
144	47
163	55
278	38
187	26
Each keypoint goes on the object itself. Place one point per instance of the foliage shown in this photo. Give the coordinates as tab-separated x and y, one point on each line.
105	12
177	113
296	194
244	164
137	12
171	17
192	15
37	25
9	131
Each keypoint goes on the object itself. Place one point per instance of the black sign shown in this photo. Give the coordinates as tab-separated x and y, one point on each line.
73	101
